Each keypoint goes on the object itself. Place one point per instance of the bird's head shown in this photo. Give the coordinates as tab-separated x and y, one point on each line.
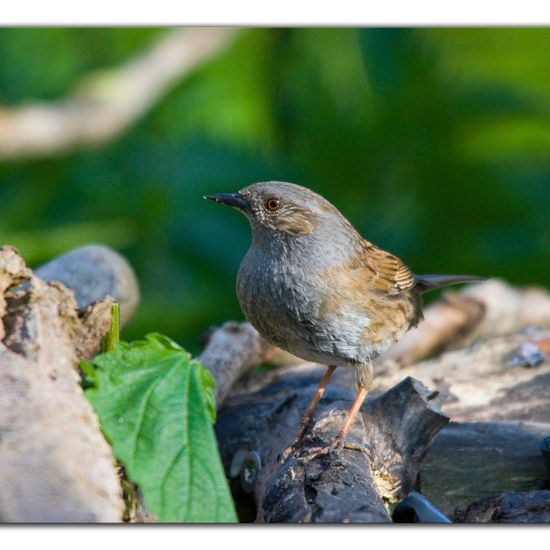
278	207
291	219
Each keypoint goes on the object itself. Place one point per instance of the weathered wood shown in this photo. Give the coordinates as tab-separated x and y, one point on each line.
55	465
472	461
233	350
478	385
230	353
477	311
376	468
467	461
531	507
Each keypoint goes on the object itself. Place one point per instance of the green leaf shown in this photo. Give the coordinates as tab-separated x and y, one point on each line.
113	336
156	406
89	378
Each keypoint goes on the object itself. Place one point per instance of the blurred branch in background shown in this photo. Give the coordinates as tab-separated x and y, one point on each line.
107	102
41	243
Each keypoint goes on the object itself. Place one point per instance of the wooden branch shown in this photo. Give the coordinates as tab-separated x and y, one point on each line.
504	412
108	102
377	466
481	310
233	350
55	465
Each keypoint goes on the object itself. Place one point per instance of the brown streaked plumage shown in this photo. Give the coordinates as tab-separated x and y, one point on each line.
313	286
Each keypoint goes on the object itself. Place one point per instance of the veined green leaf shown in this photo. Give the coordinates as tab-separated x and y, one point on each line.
156	406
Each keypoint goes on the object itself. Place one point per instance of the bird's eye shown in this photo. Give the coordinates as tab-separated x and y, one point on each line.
272	205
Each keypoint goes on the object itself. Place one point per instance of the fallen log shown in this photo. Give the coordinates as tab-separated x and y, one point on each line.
55	465
505	412
376	468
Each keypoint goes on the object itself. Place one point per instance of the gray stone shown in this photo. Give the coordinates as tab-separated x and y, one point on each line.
94	272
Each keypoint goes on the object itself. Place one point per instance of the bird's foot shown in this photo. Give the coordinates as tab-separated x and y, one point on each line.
316	452
291	450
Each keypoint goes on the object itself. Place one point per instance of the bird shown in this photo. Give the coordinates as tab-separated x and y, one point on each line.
313	286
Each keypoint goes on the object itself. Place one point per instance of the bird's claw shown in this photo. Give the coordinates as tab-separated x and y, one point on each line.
291	450
294	451
317	452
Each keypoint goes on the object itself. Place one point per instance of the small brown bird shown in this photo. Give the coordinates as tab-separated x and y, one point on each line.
311	285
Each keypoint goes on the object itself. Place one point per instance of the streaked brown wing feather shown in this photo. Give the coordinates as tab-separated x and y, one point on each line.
387	272
378	284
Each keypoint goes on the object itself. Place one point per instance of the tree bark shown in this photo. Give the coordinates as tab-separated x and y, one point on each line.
376	468
55	465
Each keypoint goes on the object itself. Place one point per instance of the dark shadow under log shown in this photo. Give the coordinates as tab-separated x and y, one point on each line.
376	468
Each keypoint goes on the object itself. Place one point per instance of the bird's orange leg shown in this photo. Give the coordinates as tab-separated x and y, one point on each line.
339	439
359	398
308	416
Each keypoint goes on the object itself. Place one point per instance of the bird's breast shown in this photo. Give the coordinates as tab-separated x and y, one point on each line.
316	316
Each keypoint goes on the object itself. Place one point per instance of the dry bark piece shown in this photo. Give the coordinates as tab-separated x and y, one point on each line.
55	465
13	271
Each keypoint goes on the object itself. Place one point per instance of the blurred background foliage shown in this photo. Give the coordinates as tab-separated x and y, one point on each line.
435	143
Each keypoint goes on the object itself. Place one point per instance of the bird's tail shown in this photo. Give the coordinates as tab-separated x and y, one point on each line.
431	282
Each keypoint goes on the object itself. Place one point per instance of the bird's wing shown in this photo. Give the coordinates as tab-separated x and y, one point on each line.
386	272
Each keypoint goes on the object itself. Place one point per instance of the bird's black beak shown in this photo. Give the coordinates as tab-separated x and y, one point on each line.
230	199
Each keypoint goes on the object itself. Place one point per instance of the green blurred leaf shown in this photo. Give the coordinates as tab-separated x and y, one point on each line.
156	406
386	55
